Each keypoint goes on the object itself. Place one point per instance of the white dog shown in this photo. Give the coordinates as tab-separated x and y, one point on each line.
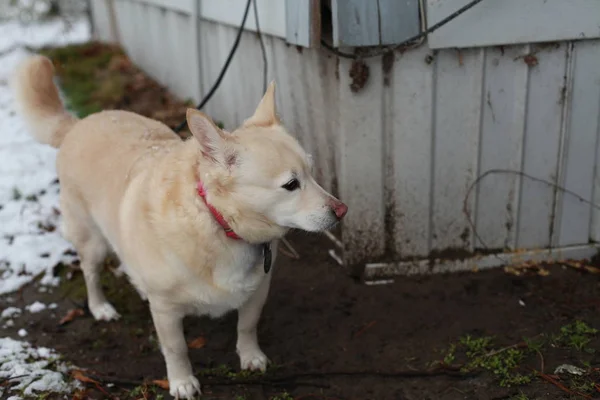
193	221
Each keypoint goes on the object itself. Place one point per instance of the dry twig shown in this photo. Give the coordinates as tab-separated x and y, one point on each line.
292	252
559	385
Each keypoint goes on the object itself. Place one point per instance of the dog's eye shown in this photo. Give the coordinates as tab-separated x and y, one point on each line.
292	185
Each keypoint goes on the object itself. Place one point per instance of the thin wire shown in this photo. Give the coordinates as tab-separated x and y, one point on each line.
407	42
217	83
262	47
521	174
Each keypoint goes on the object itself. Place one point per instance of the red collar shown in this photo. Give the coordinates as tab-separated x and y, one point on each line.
218	216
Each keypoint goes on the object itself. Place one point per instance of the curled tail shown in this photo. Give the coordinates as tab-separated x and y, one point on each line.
39	103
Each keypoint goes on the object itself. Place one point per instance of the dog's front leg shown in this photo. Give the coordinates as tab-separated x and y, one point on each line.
169	327
251	356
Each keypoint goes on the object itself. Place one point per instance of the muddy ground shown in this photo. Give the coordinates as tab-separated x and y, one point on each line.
484	335
330	337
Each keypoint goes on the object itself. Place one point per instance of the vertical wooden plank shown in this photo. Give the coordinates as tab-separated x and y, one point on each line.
303	22
323	105
101	20
545	101
299	91
181	43
209	68
173	22
399	20
138	47
123	23
284	68
196	91
580	144
355	23
112	18
361	161
226	104
457	115
187	73
503	126
412	88
595	225
154	33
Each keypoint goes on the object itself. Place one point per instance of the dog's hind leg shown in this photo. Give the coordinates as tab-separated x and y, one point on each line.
92	253
251	356
81	231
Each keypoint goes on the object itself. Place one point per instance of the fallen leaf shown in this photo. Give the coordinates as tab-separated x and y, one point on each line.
78	375
71	315
161	383
543	272
81	394
197	343
592	270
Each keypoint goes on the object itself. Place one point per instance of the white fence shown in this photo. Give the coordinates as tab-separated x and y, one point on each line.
405	148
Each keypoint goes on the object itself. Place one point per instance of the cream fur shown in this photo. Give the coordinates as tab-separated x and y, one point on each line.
128	184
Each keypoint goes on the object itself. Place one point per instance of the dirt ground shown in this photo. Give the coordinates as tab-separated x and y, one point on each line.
484	335
330	337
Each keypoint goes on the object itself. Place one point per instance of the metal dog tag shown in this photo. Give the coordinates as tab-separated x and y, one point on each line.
267	255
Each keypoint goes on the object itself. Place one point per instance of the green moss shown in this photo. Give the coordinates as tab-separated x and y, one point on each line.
577	335
282	396
507	364
227	372
502	363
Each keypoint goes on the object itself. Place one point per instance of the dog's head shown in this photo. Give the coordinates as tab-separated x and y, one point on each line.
261	176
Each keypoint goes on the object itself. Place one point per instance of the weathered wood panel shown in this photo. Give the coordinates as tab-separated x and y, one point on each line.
507	22
398	20
545	103
503	126
411	123
580	144
457	120
303	22
361	174
271	14
372	23
404	148
355	23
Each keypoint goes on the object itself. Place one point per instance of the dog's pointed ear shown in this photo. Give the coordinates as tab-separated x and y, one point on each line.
206	133
265	114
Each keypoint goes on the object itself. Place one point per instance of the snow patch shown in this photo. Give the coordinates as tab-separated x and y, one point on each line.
10	312
30	244
36	307
31	369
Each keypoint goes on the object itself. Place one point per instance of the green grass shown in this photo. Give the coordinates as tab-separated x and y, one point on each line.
577	335
79	68
282	396
508	365
503	363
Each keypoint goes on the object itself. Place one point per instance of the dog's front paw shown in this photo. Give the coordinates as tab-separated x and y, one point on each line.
253	360
104	312
185	388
